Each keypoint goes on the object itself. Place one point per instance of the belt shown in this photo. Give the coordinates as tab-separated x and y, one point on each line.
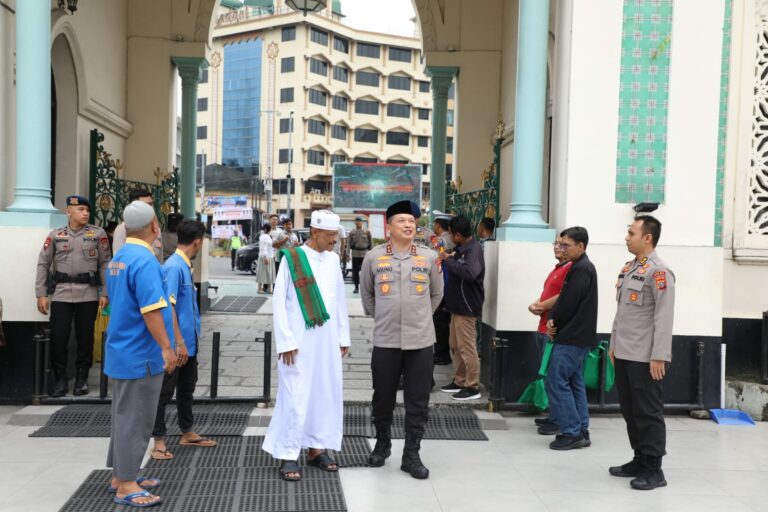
84	278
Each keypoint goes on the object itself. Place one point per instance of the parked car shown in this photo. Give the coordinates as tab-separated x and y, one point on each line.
248	258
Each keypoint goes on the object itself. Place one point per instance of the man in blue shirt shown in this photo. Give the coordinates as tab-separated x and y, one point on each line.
183	296
138	350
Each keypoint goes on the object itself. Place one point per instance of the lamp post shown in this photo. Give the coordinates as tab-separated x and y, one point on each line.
290	160
307	6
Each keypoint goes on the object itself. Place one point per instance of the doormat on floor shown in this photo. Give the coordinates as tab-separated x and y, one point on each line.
446	423
215	489
245	451
95	420
238	304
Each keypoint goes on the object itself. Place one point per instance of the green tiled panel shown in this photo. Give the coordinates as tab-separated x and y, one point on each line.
725	67
644	82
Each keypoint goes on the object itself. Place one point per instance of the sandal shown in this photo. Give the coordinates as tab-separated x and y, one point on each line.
200	441
323	461
290	466
161	454
128	500
149	483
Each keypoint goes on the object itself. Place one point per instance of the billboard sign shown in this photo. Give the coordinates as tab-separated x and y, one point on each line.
225	201
373	187
225	214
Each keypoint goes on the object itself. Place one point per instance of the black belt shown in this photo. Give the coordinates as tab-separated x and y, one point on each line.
84	278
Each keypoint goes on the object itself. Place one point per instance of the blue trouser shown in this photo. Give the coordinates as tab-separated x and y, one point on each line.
566	391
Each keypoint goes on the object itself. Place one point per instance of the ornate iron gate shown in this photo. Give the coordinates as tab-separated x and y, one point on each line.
109	193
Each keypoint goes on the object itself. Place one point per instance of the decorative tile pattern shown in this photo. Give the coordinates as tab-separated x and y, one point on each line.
643	101
757	213
725	68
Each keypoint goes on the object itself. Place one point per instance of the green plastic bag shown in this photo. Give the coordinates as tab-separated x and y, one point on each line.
536	393
596	357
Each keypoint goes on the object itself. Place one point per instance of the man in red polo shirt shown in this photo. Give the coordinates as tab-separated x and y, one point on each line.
541	307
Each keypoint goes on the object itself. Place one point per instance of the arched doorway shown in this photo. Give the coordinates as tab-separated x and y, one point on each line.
66	177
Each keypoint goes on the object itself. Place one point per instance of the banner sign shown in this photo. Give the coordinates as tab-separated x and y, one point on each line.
225	201
358	186
222	214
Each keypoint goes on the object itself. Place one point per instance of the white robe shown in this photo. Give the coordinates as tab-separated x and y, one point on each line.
309	411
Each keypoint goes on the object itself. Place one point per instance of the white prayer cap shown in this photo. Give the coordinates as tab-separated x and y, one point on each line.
325	219
137	215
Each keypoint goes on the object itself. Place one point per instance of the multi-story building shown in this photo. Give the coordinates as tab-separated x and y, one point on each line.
287	93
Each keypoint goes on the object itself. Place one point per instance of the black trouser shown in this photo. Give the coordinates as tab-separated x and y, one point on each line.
357	264
62	314
387	364
182	381
642	404
442	320
234	257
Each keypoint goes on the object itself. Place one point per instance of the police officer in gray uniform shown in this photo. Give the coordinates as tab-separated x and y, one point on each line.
641	348
401	287
71	269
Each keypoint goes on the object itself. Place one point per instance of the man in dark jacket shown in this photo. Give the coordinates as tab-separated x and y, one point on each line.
464	297
572	325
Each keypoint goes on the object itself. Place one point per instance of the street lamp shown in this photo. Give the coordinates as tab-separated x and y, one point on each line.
307	6
68	4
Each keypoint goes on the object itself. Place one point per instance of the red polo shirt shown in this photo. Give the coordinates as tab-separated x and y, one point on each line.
552	286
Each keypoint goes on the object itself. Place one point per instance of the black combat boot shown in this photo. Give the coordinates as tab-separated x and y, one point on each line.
411	461
382	450
81	382
652	475
632	468
59	385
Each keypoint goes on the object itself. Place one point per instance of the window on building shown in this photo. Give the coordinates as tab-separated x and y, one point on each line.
316	126
241	105
318	36
425	172
200	160
202	132
315	157
289	33
286	95
401	83
366	160
396	161
370	78
287	64
423	86
204	78
280	186
398	138
338	158
341	44
399	110
339	131
449	145
283	154
368	50
318	97
448	172
367	107
399	54
285	125
424	114
318	67
366	135
449	117
422	141
452	91
341	74
202	104
340	103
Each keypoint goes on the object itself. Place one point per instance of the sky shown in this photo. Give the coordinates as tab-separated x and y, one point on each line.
380	15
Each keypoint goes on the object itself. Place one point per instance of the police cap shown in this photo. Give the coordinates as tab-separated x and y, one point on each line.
78	201
407	207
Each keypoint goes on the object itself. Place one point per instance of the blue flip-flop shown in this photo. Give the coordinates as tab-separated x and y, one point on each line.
128	500
140	481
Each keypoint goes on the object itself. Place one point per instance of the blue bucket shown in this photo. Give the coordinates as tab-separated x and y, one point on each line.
731	417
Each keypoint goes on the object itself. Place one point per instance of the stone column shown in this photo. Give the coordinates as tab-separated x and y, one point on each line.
33	108
442	78
525	221
190	71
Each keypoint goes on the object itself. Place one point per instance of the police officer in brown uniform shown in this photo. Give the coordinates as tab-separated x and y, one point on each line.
359	241
70	270
641	348
401	286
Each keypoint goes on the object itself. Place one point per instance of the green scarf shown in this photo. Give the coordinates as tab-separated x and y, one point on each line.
312	305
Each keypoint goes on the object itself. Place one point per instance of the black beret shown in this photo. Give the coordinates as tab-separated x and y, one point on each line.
408	207
78	201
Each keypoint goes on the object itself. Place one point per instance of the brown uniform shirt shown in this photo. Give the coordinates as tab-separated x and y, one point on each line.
401	291
359	242
73	252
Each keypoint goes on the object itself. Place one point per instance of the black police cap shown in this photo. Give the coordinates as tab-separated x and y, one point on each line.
78	201
407	207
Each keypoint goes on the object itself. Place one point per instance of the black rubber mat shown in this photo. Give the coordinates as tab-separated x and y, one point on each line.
245	451
221	490
88	420
237	304
445	423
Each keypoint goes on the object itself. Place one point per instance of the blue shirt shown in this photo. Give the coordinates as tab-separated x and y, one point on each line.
135	286
183	295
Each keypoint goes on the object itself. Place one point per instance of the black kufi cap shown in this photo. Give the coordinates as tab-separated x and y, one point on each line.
408	207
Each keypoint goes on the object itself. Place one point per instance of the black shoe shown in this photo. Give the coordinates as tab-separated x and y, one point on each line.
81	383
59	387
451	388
382	450
442	361
585	433
467	394
548	429
543	421
356	290
411	463
631	469
401	384
652	475
563	442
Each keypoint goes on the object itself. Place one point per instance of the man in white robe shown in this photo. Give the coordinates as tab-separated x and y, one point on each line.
309	412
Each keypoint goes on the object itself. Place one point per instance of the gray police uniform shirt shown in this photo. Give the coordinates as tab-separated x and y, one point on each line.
642	328
359	242
73	252
401	291
121	235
